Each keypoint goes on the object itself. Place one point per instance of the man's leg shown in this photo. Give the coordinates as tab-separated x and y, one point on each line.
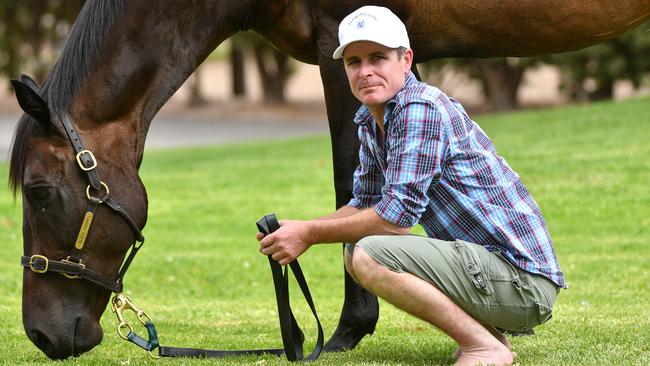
425	301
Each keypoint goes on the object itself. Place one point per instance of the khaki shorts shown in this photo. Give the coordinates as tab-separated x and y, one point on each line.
484	284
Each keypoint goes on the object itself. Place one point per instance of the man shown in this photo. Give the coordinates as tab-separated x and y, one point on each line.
488	261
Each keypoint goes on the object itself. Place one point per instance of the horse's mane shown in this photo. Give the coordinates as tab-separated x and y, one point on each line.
94	21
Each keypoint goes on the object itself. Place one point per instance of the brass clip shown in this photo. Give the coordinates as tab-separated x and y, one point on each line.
121	303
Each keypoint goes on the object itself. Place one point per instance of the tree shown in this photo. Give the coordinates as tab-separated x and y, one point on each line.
587	74
500	77
237	65
31	33
194	85
274	70
590	73
274	67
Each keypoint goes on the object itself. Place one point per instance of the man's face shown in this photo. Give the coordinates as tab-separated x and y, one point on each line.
375	72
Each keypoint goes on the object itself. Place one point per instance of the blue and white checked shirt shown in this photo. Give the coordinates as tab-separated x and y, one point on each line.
438	168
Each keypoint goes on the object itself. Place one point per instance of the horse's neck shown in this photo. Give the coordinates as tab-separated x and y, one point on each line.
146	57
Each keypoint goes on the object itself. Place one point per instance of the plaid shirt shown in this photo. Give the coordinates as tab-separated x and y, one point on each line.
438	168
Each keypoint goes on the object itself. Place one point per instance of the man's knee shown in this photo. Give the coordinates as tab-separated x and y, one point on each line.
347	258
364	266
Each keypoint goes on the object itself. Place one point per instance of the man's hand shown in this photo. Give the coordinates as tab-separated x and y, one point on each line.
347	225
287	243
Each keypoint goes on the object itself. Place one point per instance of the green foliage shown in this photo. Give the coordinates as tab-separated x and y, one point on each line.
274	67
588	74
624	57
202	280
499	77
31	32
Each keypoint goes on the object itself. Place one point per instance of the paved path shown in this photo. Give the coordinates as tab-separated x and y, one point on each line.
177	128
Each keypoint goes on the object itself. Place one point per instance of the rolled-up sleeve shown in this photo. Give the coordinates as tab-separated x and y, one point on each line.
414	163
368	179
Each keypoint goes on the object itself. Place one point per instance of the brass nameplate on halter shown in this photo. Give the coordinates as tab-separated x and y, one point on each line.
83	231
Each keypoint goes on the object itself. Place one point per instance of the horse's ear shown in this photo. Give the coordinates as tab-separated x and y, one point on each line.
30	82
31	102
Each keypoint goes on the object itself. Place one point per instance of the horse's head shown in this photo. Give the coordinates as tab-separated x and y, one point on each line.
60	204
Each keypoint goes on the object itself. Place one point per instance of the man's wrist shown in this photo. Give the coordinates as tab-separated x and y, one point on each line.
311	235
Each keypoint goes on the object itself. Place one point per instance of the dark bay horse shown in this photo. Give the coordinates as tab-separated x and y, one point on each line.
124	59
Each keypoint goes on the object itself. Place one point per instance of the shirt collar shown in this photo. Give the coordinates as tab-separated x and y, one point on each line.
363	115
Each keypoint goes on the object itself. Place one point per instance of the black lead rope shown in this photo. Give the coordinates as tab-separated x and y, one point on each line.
292	336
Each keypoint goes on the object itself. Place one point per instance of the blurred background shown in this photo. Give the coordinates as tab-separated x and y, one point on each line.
246	71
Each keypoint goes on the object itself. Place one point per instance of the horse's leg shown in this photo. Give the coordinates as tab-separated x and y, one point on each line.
360	308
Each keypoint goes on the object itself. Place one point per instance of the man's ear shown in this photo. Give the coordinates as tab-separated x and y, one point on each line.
31	102
408	60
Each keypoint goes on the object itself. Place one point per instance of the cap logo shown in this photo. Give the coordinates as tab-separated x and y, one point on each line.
361	24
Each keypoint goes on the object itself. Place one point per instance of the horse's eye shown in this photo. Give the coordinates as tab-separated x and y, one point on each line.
39	194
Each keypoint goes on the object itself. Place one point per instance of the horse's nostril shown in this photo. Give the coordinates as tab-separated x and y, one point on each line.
80	337
45	344
39	339
86	336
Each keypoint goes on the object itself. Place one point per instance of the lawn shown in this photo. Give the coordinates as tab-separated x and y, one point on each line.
203	282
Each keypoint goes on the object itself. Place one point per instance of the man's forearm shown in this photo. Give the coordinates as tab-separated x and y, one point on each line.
344	211
352	227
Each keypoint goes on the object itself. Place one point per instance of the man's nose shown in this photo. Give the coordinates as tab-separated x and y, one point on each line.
365	69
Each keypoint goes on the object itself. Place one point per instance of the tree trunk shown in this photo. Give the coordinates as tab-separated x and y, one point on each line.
604	89
273	72
237	66
500	79
37	36
12	63
194	83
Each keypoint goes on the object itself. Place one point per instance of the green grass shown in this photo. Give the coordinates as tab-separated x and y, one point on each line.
202	280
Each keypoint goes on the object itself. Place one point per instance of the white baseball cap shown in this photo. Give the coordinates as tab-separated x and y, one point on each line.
372	23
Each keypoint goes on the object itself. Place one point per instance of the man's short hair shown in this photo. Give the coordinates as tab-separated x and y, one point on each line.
400	52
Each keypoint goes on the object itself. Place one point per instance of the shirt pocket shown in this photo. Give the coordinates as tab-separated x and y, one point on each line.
473	268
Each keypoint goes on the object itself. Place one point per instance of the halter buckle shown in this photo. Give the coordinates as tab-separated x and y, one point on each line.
79	264
41	257
93	161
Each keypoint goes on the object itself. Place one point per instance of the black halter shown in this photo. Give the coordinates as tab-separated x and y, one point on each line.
72	267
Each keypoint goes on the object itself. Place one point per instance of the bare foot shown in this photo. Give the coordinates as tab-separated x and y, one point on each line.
498	335
498	355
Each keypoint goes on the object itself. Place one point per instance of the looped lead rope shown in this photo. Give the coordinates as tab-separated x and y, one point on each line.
292	335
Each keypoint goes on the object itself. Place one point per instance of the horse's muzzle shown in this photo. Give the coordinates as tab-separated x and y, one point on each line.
70	338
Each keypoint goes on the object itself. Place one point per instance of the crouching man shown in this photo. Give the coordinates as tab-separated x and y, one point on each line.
487	261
